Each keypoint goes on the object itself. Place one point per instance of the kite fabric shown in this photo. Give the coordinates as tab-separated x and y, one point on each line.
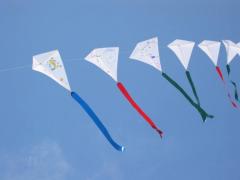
212	49
107	60
147	52
51	64
183	50
232	50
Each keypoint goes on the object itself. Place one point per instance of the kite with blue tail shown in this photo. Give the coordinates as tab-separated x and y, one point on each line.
50	64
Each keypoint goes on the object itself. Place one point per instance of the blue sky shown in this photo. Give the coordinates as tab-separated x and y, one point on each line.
45	135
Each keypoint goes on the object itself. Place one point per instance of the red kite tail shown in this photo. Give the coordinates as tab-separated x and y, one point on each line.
137	108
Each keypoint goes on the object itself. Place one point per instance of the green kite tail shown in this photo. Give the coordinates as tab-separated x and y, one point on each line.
235	91
233	83
202	112
192	86
228	69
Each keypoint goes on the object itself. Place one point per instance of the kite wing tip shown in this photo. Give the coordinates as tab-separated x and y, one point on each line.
122	148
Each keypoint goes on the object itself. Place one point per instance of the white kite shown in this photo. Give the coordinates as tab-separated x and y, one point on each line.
107	60
183	50
212	49
147	52
51	64
232	50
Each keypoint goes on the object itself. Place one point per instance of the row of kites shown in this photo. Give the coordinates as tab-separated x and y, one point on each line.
50	64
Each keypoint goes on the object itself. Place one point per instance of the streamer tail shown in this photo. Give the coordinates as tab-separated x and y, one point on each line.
236	96
228	69
96	120
220	74
137	108
201	111
192	86
235	91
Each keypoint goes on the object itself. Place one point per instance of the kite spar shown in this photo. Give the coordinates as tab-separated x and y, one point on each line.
107	60
147	52
232	50
51	64
212	48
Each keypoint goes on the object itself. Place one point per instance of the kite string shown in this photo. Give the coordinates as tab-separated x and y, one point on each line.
14	68
28	66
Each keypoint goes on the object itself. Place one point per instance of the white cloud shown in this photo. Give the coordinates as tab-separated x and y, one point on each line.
43	161
109	170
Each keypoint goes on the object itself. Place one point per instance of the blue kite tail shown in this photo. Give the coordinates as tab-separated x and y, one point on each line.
97	121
